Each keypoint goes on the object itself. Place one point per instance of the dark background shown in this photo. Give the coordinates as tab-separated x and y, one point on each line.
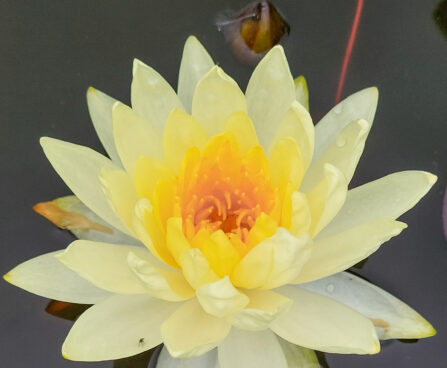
51	51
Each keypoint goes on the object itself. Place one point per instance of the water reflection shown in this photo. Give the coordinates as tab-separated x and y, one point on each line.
440	16
253	31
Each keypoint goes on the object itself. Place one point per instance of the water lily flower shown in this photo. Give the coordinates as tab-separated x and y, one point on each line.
240	219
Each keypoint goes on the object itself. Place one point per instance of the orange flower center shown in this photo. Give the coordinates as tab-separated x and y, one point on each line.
225	190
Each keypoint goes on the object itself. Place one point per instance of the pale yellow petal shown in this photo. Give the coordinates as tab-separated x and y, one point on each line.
196	268
263	308
327	198
389	197
100	108
134	136
360	105
221	298
175	238
147	174
240	125
301	218
220	253
286	164
216	97
270	92
181	132
119	190
248	349
297	124
47	277
190	331
196	62
151	96
273	262
340	251
393	318
301	91
344	153
320	323
207	360
162	283
104	265
79	168
120	326
150	232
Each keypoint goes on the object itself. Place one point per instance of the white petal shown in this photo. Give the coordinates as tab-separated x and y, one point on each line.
120	326
79	168
344	153
73	204
389	197
104	265
393	319
196	62
47	277
221	298
360	105
297	356
216	97
134	136
340	251
270	92
100	109
161	283
248	349
320	323
191	332
151	96
264	307
207	360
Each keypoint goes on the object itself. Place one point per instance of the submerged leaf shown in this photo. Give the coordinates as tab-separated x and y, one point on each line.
71	214
55	212
66	310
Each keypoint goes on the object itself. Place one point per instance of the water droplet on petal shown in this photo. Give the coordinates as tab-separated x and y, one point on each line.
338	109
330	288
340	141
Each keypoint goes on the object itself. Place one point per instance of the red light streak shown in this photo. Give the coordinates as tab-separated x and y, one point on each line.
348	52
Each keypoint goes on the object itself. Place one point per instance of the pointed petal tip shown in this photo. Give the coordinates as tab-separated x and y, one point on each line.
7	277
376	348
91	89
136	63
193	42
192	38
45	141
432	179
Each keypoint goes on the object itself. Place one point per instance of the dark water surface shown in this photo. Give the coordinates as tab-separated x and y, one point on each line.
51	51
